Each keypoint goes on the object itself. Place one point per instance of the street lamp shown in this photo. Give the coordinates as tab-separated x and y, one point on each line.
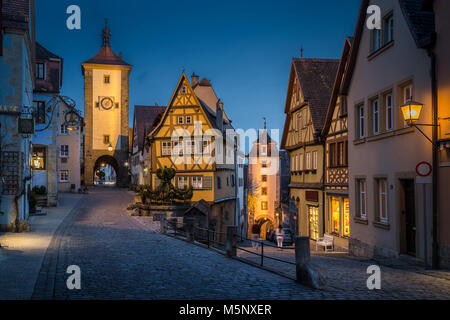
411	111
110	148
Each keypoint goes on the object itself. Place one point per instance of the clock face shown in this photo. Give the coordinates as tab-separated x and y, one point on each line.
107	103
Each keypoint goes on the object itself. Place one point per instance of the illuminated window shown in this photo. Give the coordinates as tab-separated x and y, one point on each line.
346	216
38	158
197	182
64	175
182	182
313	214
335	215
264	205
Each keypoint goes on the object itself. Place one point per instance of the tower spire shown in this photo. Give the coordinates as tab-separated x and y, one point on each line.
106	35
265	123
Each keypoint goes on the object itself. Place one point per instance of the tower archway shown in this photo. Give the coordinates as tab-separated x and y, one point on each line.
106	171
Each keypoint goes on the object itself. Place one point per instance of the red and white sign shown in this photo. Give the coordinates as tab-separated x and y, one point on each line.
424	169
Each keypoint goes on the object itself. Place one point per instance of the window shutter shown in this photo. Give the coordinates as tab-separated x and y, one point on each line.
207	182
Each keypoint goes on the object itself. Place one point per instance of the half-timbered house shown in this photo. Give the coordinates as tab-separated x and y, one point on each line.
309	91
189	139
337	206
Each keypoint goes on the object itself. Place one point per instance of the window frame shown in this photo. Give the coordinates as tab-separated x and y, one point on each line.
60	175
64	154
380	205
389	111
166	148
185	183
38	73
361	121
375	116
264	205
362	198
196	185
388	28
39	149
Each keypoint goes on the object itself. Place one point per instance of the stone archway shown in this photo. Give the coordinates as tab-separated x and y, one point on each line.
266	225
106	161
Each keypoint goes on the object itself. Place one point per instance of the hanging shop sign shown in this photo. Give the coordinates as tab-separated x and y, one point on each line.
25	125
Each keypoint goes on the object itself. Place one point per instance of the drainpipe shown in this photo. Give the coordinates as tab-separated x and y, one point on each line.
16	199
434	106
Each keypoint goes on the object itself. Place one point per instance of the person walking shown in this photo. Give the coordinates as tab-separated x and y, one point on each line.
279	233
255	235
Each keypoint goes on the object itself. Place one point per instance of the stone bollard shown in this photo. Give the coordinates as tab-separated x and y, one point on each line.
163	223
306	273
189	225
230	246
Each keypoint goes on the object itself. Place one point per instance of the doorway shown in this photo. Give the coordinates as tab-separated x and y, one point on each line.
409	216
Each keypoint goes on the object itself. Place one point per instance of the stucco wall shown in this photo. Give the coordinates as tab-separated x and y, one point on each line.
392	155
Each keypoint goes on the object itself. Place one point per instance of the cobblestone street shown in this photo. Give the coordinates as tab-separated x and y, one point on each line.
124	257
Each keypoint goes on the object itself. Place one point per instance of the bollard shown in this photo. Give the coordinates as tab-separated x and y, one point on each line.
163	223
306	273
302	256
189	225
231	241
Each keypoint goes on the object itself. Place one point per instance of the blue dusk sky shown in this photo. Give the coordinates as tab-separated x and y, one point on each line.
244	47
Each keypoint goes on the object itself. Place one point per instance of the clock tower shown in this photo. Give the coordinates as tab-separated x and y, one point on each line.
106	90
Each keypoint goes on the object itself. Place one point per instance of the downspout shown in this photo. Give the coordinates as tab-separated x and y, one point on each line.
16	200
434	106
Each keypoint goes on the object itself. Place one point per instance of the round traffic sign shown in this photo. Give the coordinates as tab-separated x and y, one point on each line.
424	169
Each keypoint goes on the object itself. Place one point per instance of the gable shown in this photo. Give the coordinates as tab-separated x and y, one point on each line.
183	100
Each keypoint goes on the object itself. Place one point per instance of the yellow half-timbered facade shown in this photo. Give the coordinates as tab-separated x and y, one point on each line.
189	139
307	100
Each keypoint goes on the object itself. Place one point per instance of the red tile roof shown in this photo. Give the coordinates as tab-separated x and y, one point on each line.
316	78
107	56
144	119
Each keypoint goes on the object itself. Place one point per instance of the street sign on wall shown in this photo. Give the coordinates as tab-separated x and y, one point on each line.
423	171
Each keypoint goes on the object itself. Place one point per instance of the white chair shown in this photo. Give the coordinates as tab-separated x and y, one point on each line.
325	241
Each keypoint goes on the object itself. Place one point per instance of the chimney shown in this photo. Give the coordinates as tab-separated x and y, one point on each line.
219	115
194	79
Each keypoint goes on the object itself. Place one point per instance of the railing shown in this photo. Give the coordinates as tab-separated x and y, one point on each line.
208	237
262	255
299	268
